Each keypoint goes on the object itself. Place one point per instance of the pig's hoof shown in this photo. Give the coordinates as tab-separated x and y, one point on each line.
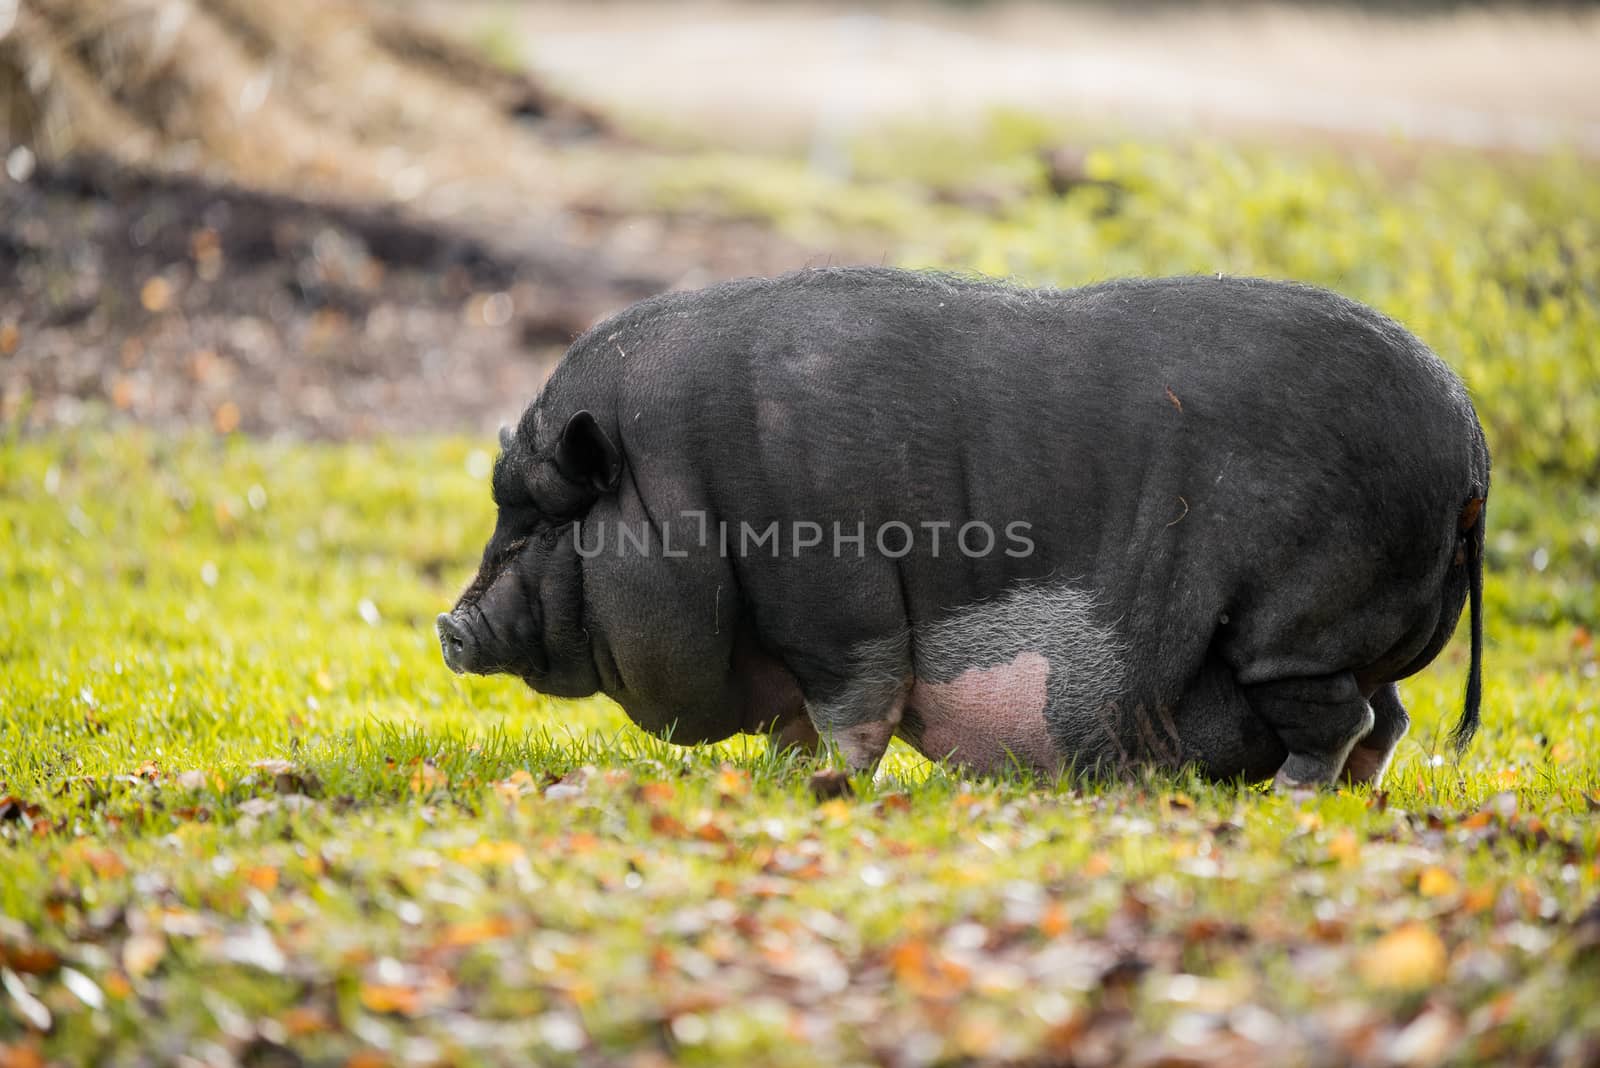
1302	772
830	783
1297	791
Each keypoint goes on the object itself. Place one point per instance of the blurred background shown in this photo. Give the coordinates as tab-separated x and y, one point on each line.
328	218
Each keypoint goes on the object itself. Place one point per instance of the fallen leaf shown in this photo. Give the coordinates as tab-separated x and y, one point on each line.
731	782
103	862
305	1020
30	1007
83	988
427	778
1436	882
142	952
226	417
1425	1040
27	1056
1345	848
489	852
261	877
1407	958
895	803
708	831
655	793
155	294
367	1058
390	999
28	958
1479	899
836	812
116	986
15	809
471	933
667	825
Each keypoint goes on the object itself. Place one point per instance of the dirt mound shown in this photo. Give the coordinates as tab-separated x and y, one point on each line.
308	216
174	301
348	97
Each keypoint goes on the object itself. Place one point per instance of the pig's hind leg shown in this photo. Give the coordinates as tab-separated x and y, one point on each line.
1320	720
1218	731
1370	758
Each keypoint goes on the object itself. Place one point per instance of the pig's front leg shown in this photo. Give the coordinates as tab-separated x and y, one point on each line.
860	713
860	722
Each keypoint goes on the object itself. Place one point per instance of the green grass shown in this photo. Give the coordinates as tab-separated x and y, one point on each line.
251	809
176	612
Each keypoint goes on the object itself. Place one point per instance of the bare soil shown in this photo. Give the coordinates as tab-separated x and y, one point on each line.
178	302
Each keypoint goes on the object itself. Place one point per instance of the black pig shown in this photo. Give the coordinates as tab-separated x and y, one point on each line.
1189	520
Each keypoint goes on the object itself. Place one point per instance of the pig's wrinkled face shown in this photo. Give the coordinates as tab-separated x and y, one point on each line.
523	613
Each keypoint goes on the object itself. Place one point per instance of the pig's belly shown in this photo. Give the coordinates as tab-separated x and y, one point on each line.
986	719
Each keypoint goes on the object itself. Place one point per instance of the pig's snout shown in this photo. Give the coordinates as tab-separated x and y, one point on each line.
457	644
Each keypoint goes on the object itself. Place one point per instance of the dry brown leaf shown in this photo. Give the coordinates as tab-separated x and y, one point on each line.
226	417
15	808
895	803
655	793
142	952
489	852
582	842
1407	958
1436	882
1345	849
367	1058
155	294
667	825
390	998
471	933
305	1020
836	812
263	878
708	831
427	778
28	959
22	1055
731	782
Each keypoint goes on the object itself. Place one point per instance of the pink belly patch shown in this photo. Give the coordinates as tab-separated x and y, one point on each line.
986	718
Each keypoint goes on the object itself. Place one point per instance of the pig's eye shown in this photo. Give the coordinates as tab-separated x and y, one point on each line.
549	536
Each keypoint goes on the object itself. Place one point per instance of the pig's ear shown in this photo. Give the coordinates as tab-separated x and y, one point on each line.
507	436
586	455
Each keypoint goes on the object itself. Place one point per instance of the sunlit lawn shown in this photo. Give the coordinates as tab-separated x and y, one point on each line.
252	808
248	812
